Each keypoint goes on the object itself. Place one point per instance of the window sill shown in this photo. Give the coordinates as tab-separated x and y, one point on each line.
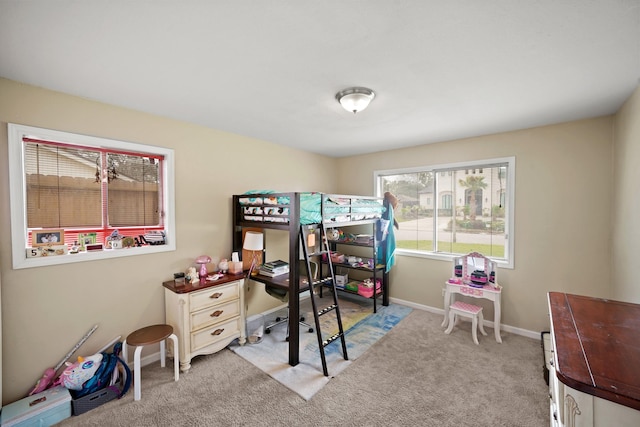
443	257
20	259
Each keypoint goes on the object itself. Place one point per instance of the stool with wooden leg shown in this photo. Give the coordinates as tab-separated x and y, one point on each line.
146	336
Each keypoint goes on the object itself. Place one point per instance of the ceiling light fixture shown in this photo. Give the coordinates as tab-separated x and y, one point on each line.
355	99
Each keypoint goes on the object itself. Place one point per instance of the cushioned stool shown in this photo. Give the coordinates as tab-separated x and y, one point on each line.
474	312
146	336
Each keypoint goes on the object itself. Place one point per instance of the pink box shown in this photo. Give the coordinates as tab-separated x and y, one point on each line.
368	292
235	267
336	258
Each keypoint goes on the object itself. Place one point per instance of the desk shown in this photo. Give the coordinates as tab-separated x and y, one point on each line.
594	378
282	282
488	291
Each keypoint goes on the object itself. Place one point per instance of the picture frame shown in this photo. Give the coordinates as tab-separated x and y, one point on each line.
47	237
85	239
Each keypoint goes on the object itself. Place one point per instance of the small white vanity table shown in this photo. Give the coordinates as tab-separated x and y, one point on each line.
462	285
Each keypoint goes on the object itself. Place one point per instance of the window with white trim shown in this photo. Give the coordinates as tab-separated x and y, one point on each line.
454	209
86	192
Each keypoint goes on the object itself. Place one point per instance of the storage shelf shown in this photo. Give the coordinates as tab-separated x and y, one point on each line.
351	243
349	291
365	269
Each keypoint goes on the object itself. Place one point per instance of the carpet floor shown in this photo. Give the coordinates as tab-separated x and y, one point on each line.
415	375
362	327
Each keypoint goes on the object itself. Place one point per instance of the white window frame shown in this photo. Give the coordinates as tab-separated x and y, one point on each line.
17	194
509	220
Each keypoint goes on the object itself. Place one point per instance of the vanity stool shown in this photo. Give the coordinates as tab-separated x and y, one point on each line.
464	309
146	336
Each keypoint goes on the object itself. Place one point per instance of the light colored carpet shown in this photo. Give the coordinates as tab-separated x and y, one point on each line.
414	376
363	328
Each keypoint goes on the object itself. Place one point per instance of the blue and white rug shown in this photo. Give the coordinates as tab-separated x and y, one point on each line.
271	354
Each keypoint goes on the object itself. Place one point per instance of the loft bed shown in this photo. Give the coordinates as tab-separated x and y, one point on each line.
289	211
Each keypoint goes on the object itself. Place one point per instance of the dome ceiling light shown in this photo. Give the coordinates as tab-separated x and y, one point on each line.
355	99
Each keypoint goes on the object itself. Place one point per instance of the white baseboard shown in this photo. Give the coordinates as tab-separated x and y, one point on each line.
146	360
489	323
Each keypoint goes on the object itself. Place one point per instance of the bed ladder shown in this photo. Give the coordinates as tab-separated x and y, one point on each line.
308	242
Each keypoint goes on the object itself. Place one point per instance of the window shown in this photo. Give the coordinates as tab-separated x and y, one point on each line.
473	208
89	189
446	201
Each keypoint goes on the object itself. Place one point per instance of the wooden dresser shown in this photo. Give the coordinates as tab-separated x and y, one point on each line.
207	316
594	378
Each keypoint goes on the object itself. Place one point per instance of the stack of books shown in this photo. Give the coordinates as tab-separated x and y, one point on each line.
274	268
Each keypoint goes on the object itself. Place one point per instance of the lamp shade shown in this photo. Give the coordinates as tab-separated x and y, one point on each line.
203	259
253	241
355	99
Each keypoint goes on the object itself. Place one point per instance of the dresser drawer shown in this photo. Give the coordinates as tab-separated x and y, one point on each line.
215	333
215	295
211	315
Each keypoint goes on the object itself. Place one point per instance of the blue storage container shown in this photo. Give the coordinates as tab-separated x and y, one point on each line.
40	410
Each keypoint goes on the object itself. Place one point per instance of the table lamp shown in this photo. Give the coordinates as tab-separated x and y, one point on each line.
253	242
202	261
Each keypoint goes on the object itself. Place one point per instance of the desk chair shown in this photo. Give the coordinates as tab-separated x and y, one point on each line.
283	296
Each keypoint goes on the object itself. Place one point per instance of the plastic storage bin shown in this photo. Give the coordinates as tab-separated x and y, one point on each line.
95	399
42	409
367	291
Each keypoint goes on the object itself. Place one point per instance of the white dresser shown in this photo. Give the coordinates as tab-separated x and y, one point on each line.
206	317
594	375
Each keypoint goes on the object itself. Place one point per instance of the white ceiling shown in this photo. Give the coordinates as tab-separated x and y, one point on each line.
269	69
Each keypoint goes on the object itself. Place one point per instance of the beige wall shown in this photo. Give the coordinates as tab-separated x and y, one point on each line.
564	182
46	310
626	212
562	214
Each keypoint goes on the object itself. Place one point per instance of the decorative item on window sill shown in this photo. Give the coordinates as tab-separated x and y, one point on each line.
43	251
114	241
151	238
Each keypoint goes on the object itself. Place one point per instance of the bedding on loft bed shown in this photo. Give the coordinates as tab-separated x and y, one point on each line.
273	207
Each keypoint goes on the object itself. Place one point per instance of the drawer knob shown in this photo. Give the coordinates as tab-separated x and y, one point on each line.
216	295
216	313
217	331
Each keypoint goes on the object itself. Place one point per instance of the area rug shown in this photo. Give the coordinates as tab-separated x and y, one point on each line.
363	329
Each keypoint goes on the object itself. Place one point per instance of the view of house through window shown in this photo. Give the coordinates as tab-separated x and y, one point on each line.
453	209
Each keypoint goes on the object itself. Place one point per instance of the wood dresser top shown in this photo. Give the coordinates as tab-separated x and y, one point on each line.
186	287
597	346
